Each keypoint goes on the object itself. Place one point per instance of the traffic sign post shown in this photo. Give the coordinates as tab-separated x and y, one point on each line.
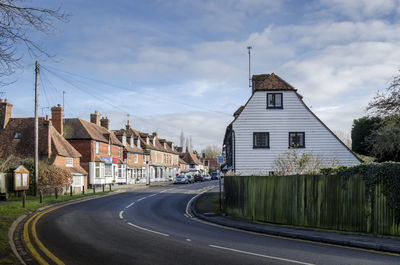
220	160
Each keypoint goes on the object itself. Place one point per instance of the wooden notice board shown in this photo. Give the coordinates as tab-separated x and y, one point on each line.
21	178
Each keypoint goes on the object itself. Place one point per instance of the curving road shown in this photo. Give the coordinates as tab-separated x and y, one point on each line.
151	227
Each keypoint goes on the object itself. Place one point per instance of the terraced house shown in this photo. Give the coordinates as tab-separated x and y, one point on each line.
134	156
17	139
159	154
102	152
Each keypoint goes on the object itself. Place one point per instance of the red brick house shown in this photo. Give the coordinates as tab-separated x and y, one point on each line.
102	152
17	139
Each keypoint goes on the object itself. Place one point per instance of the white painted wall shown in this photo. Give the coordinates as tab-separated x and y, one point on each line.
294	117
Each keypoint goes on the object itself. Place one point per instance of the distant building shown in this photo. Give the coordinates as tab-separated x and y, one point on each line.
274	120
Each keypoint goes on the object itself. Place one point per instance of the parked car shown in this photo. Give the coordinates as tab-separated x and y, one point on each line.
190	178
214	175
198	177
207	177
181	179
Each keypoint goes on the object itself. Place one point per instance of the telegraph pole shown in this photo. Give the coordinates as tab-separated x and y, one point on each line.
63	103
36	130
249	49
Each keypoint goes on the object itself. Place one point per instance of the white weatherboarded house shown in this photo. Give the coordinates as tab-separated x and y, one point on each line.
274	120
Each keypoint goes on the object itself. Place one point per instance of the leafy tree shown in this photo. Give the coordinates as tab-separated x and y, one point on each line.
385	140
361	130
17	20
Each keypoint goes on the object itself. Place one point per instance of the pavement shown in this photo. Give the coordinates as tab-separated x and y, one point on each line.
206	208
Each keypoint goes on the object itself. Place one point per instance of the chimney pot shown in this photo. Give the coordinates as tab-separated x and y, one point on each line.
5	100
1	100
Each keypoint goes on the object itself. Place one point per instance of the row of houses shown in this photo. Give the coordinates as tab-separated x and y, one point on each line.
92	152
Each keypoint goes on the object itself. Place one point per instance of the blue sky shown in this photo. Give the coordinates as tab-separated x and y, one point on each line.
182	65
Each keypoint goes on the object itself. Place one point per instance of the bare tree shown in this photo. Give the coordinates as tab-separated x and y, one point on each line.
387	103
17	20
344	137
212	151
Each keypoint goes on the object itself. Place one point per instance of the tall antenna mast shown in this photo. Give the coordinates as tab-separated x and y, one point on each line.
249	49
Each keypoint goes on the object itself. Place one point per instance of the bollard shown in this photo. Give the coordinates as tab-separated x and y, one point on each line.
41	196
83	189
23	199
103	187
70	191
55	191
110	186
94	189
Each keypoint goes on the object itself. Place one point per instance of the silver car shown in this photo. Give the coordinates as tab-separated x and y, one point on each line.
181	179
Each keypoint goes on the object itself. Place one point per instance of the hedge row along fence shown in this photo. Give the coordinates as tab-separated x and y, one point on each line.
363	198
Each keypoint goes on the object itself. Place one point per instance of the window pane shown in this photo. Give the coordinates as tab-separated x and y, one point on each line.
278	100
271	100
292	139
301	139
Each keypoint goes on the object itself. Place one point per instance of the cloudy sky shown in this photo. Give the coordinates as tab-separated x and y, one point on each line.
172	66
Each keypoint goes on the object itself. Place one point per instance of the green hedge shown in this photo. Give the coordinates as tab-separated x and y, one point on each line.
364	198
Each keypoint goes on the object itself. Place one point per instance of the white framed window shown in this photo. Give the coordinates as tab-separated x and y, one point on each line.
131	140
109	149
119	170
69	162
97	169
119	151
108	170
97	148
136	158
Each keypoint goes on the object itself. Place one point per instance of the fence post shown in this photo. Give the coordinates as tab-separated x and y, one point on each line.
110	186
70	191
56	192
94	189
41	196
103	187
83	189
23	199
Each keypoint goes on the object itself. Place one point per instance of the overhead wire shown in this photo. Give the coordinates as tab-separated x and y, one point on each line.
153	97
71	83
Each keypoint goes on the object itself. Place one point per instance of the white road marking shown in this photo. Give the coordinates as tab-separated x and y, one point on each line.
191	200
148	230
261	255
120	214
129	205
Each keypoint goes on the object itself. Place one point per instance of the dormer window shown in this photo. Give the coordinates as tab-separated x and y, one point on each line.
17	135
124	140
154	141
138	142
147	140
165	146
274	101
132	144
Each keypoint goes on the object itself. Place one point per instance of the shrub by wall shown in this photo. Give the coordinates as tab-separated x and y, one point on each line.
364	198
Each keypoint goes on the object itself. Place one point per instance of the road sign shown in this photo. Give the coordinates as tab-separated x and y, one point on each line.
221	160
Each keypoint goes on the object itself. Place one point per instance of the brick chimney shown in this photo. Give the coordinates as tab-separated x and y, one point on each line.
5	113
128	126
57	118
105	122
95	118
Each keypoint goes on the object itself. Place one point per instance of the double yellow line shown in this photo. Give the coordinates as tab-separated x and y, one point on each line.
34	238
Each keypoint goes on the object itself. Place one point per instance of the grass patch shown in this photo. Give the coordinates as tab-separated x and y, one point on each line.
10	212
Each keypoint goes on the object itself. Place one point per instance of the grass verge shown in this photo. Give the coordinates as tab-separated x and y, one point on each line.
10	212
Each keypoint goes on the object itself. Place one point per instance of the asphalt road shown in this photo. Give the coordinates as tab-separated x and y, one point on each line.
151	227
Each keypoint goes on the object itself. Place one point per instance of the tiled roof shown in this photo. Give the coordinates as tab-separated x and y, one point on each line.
80	129
76	170
50	141
61	146
269	82
191	158
132	149
181	161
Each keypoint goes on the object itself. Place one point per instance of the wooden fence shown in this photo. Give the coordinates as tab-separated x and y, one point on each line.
329	202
